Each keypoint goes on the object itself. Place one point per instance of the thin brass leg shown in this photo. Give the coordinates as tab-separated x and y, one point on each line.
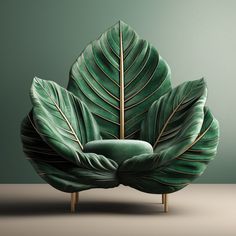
76	198
162	198
73	202
165	202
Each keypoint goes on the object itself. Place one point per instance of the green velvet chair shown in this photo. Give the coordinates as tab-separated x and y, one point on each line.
119	122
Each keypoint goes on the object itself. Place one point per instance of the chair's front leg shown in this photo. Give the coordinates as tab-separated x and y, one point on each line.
165	202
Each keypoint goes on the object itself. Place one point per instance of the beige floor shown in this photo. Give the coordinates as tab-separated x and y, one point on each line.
201	210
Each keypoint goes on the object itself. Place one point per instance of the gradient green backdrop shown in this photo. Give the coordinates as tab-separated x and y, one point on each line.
43	38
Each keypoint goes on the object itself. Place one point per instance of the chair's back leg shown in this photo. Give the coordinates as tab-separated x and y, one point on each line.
74	201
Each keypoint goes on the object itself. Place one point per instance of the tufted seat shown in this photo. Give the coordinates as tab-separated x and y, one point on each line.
118	150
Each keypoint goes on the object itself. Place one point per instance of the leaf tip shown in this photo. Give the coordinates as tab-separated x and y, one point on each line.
200	83
36	79
203	80
121	23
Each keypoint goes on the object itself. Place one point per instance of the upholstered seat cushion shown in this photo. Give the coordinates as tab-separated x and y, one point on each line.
118	149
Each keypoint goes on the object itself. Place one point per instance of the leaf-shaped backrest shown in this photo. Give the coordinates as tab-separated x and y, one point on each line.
119	76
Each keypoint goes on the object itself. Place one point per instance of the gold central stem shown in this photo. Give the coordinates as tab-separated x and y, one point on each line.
122	108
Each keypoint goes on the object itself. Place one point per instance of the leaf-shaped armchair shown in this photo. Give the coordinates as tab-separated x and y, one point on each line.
119	122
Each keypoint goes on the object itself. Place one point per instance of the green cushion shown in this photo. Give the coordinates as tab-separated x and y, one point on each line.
118	149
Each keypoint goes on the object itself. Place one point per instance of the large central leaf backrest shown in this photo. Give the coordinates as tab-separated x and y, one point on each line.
119	76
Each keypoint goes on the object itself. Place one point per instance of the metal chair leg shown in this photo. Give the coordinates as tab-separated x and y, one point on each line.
77	199
74	201
165	201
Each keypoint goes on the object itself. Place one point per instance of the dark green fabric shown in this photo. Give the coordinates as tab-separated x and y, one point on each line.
71	136
158	174
91	171
94	79
118	150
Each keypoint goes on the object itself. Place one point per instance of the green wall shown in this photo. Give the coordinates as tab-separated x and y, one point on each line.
43	38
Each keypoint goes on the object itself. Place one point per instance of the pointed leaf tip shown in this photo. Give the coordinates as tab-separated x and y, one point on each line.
199	84
120	22
203	80
36	79
199	80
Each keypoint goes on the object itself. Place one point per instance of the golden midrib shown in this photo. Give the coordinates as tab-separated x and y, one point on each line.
199	137
169	118
165	125
122	108
65	118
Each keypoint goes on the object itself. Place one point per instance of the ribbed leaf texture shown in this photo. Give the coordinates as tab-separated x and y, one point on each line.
119	88
184	135
54	150
174	121
95	79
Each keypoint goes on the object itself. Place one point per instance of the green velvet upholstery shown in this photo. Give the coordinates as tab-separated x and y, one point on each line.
118	150
119	121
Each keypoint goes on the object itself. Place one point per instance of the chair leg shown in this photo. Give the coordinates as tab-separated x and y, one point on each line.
74	201
77	199
165	200
162	199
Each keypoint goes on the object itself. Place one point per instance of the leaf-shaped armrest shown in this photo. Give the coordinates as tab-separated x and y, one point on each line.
92	171
53	136
63	121
185	138
149	173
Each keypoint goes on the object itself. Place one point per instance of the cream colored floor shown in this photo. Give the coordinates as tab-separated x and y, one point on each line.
201	210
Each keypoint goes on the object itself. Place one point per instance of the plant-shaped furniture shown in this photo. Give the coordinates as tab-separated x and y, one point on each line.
119	121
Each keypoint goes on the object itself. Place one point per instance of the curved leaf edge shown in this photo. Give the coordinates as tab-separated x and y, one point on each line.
132	173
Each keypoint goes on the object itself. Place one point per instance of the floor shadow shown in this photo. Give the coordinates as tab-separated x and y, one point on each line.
36	208
124	208
19	208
